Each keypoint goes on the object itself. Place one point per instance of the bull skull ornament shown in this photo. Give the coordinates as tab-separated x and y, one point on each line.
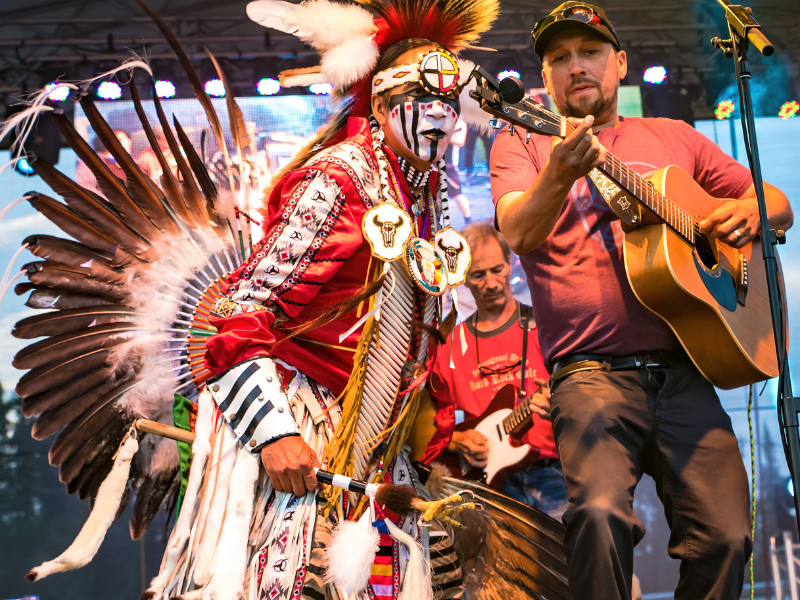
387	229
455	250
451	255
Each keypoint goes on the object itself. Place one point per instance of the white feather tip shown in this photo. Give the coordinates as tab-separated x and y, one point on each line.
350	555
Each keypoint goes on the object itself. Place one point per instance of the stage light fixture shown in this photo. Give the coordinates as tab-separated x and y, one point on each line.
56	92
268	86
165	89
109	90
320	89
655	75
215	88
507	73
789	109
724	109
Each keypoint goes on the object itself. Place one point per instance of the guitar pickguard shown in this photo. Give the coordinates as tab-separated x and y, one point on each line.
719	282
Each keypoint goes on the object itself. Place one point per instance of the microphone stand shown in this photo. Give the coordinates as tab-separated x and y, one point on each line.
744	31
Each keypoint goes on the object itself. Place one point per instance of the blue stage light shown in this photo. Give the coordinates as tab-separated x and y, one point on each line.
507	73
56	92
320	89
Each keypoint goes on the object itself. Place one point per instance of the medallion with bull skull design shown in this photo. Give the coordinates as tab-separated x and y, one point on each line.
387	228
455	249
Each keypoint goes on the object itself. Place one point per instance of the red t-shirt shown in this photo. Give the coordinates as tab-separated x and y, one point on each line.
579	290
464	388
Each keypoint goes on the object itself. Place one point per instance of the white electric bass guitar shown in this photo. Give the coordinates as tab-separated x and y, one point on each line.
498	423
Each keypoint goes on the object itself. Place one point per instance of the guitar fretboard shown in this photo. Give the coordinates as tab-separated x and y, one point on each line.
672	214
517	417
677	218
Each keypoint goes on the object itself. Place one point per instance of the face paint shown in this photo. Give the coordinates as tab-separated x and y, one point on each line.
425	124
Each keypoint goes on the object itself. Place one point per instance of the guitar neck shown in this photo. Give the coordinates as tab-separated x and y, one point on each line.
677	218
669	212
537	119
519	417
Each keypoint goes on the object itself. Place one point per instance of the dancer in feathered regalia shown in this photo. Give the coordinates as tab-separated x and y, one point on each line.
307	349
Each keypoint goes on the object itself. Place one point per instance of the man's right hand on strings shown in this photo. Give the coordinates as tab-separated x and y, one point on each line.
472	445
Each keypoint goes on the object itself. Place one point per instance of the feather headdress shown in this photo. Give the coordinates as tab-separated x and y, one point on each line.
351	39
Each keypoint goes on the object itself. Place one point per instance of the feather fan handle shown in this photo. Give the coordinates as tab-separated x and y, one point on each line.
86	545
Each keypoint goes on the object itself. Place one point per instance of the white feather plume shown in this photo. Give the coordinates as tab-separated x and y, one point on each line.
201	448
417	580
155	292
321	23
471	112
231	556
350	555
338	67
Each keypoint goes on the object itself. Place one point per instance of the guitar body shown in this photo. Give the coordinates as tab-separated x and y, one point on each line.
504	457
731	344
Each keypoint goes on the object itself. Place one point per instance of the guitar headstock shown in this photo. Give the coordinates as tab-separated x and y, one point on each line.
525	113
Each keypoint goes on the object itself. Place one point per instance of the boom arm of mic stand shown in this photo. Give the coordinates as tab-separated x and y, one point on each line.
742	21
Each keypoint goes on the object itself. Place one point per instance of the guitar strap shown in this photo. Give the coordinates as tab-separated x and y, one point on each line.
624	208
525	315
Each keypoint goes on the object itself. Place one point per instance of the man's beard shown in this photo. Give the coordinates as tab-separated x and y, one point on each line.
585	107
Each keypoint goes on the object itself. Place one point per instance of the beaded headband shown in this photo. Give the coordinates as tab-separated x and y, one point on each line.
437	72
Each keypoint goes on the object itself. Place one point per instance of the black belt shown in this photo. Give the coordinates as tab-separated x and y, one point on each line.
642	360
546	463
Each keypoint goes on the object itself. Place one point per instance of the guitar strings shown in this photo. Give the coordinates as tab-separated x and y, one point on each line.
656	199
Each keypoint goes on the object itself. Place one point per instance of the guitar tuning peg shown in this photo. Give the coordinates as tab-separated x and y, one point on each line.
510	129
494	123
527	136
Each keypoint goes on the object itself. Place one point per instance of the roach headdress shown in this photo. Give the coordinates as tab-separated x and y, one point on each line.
351	38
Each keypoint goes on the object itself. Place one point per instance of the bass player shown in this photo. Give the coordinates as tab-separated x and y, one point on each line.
486	351
625	399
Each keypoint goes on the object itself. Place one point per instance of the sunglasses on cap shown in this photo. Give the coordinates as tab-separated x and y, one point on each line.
575	14
580	12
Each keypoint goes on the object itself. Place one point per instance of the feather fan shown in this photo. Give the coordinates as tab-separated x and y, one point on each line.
124	299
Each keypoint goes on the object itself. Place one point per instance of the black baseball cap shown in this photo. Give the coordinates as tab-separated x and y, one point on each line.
567	16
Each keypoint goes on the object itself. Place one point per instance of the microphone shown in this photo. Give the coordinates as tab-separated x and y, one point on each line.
512	90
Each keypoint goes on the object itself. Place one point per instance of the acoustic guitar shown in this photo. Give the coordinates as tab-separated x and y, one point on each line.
498	423
712	295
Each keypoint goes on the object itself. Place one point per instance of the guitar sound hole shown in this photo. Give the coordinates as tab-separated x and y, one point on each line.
706	251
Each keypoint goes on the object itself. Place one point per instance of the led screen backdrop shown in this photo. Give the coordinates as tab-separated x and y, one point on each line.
278	128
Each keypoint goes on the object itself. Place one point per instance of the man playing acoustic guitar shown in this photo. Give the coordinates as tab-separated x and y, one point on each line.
625	399
486	351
